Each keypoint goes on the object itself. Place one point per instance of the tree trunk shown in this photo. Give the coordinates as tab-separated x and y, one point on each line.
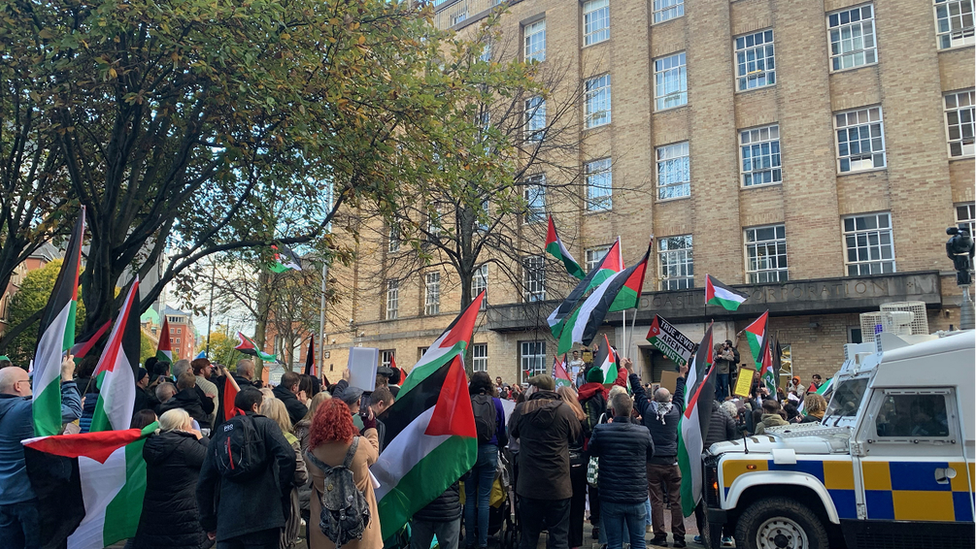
261	322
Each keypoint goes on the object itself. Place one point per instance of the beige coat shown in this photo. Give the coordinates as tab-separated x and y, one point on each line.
333	453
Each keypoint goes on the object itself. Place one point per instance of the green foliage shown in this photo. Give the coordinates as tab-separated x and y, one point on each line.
222	350
33	295
146	348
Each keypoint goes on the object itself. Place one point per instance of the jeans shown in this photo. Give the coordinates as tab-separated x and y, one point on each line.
422	532
671	476
647	509
624	522
477	494
20	525
540	514
722	387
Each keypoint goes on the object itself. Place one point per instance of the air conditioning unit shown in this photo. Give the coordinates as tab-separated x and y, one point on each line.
919	325
869	323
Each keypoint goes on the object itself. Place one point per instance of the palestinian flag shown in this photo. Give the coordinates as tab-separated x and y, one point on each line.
231	388
431	440
115	374
606	361
164	353
81	348
693	424
755	334
767	374
453	342
310	357
285	259
57	335
555	247
89	486
248	347
611	263
560	373
618	292
719	294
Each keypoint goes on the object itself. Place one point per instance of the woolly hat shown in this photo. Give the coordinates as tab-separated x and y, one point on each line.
594	375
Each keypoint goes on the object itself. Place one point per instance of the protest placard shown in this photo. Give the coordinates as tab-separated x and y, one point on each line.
670	341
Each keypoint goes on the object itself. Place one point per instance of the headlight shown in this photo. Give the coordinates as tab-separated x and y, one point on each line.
710	487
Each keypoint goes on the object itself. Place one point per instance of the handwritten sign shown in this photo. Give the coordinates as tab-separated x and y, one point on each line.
670	341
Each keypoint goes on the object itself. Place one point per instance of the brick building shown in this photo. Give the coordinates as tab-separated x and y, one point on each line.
182	333
37	260
810	153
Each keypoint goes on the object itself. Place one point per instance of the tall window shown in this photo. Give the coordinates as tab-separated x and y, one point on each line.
674	254
479	283
594	256
596	21
673	171
599	185
860	140
597	105
868	241
535	118
394	240
960	126
954	23
761	161
432	293
670	82
534	278
535	41
852	40
535	199
486	53
392	299
766	251
668	9
966	213
755	60
532	358
386	357
479	355
434	222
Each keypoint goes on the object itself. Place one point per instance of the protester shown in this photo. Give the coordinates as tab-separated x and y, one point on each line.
441	518
274	409
203	371
814	407
88	389
490	421
379	402
772	416
660	415
164	392
288	392
19	519
815	384
332	437
721	427
245	373
169	509
734	366
160	370
5	362
723	364
624	449
188	399
227	510
578	366
142	418
577	468
545	427
145	397
791	411
304	426
593	398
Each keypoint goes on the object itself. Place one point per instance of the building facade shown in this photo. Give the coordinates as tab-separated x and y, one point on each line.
811	154
182	333
37	260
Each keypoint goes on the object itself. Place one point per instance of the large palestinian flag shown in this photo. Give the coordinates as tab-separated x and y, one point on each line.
164	353
431	440
755	334
248	347
555	247
89	486
57	335
606	361
453	342
693	425
115	374
610	264
719	294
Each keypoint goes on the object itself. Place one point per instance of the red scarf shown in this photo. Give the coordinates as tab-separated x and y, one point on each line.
589	390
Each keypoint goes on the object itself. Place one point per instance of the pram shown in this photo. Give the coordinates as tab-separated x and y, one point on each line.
502	519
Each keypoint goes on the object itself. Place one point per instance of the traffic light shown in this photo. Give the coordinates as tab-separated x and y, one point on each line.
959	249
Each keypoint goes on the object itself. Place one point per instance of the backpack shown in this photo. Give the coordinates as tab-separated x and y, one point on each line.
239	452
345	511
484	417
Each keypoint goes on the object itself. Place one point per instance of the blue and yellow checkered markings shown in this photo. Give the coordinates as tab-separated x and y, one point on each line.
907	490
837	477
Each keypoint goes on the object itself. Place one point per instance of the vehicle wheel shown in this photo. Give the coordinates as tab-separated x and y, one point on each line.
780	523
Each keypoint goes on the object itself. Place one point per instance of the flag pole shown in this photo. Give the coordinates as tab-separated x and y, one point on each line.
321	357
620	255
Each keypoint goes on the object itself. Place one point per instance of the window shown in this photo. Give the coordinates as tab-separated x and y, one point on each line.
766	254
594	256
852	42
673	171
479	355
847	398
755	61
483	212
596	21
668	9
867	239
479	283
533	358
432	297
421	351
458	17
534	278
535	199
860	140
486	53
954	23
179	330
670	82
177	341
386	357
599	185
911	414
394	240
959	111
854	334
786	364
535	41
761	161
597	104
677	263
966	213
392	299
535	119
434	223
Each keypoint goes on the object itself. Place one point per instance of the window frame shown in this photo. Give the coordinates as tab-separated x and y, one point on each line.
599	168
393	240
776	274
432	293
866	231
387	356
591	260
533	278
659	161
529	31
392	310
661	101
532	214
971	107
595	118
658	8
966	39
480	274
602	34
775	170
682	282
533	130
476	360
970	211
879	398
743	81
840	26
837	143
533	361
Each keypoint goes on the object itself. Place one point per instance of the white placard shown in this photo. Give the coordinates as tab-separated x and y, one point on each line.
362	365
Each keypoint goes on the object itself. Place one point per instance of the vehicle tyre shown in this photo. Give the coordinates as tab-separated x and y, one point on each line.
780	523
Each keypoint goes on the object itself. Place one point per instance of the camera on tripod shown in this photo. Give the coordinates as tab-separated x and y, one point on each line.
960	249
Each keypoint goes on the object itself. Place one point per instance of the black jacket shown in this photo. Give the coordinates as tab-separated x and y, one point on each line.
169	509
624	449
189	401
664	432
296	410
545	427
445	508
229	507
145	400
721	427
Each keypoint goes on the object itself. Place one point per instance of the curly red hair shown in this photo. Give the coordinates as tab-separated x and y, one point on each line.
332	423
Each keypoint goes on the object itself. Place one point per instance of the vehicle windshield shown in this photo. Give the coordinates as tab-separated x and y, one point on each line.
847	398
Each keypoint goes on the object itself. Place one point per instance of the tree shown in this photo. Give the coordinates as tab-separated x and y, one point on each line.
31	298
222	350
